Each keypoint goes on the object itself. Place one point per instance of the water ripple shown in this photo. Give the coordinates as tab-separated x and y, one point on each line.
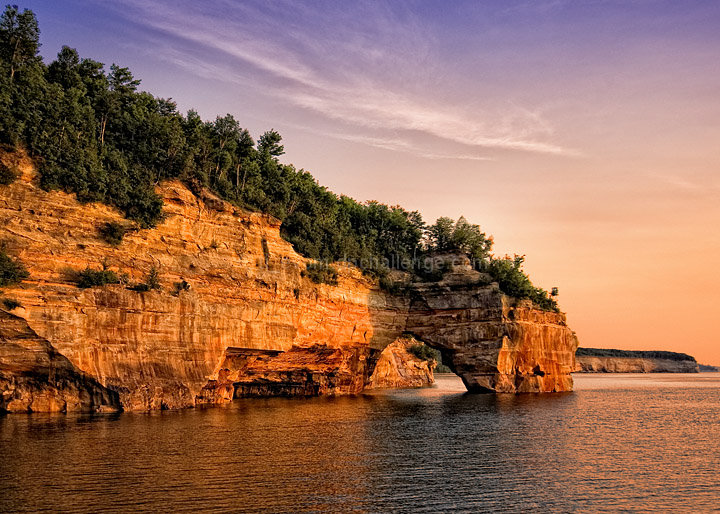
640	443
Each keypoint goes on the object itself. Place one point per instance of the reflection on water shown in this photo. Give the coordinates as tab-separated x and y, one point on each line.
643	441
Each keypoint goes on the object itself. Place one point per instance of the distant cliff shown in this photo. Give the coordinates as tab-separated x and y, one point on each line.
231	310
601	360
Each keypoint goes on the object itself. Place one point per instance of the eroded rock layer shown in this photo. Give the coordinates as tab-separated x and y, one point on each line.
34	377
246	288
398	368
300	371
591	364
494	343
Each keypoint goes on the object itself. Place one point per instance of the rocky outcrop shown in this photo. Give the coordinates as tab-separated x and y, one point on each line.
159	348
603	360
314	371
589	364
493	342
398	368
34	377
246	288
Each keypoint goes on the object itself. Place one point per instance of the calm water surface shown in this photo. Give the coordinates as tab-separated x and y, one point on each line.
639	442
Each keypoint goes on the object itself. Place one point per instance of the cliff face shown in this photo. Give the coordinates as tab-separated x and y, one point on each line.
34	377
397	368
157	349
491	341
313	371
589	364
247	290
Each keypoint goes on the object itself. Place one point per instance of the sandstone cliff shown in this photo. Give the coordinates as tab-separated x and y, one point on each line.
247	290
493	342
397	368
313	371
603	360
34	377
590	364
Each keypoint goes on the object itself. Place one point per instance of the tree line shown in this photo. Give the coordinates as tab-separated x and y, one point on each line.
92	132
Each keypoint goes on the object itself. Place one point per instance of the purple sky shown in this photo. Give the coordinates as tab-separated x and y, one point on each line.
585	134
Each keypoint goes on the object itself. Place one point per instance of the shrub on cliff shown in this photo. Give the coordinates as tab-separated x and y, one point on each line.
10	304
322	273
7	174
423	352
93	133
513	281
12	270
179	287
96	278
113	232
152	281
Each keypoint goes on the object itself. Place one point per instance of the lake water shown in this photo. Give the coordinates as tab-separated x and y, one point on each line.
638	442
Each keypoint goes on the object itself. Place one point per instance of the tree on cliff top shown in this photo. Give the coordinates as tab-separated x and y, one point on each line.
448	235
93	133
19	38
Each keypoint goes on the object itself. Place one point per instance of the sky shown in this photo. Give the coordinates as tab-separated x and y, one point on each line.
583	134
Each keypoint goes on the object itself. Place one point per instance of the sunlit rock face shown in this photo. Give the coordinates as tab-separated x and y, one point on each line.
590	364
493	342
398	368
311	371
165	348
158	349
34	377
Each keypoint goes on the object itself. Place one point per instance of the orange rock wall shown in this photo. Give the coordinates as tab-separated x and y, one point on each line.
159	349
493	342
591	364
34	377
397	368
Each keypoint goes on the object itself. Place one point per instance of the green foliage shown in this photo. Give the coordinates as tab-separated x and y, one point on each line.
179	287
269	144
447	235
7	174
389	286
19	38
635	354
322	273
442	368
423	352
513	281
12	271
92	132
151	282
96	278
11	304
113	232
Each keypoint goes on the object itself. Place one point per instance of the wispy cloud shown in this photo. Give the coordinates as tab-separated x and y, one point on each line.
401	145
367	66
